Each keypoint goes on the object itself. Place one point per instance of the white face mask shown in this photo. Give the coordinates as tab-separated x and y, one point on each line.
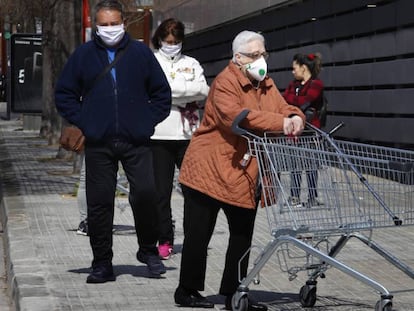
257	69
171	50
111	35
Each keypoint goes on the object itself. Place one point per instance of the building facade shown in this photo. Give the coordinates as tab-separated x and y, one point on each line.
367	51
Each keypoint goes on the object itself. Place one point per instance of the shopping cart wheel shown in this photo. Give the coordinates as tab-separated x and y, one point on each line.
383	306
241	305
307	294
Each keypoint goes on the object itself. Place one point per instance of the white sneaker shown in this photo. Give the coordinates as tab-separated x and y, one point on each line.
294	201
83	228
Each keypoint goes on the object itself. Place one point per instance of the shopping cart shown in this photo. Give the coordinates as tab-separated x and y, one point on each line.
360	187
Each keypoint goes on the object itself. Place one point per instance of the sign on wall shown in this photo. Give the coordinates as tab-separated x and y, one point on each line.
26	73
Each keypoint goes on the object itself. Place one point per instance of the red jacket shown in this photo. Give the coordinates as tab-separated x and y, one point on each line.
311	92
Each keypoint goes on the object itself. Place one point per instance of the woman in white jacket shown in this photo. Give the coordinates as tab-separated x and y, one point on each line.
172	136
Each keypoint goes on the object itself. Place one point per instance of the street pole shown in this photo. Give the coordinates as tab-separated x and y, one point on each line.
6	36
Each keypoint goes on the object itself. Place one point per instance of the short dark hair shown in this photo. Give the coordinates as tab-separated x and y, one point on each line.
109	5
169	26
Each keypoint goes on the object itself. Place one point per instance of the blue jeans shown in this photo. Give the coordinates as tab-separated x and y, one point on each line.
312	181
81	196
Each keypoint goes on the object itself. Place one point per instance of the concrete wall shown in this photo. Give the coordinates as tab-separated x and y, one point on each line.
367	53
201	14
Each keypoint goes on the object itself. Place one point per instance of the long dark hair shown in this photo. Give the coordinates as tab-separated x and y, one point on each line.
169	26
313	61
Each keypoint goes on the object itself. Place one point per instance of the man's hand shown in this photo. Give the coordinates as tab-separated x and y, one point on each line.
293	126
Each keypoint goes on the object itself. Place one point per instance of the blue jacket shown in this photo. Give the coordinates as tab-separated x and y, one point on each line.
126	109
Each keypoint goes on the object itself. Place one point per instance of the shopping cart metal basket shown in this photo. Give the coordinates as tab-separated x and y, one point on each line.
355	187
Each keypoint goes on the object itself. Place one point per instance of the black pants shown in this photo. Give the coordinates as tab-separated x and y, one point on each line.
166	155
101	174
200	215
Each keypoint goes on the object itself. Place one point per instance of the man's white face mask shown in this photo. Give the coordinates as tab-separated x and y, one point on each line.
257	69
111	35
171	50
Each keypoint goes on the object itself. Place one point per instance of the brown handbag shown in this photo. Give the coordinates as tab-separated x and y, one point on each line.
72	139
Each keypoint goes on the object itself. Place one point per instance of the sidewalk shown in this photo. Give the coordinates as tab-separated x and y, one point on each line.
48	262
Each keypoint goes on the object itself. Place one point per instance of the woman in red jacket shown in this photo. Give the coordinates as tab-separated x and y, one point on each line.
306	92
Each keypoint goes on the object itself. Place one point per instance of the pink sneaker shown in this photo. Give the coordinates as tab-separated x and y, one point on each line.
165	250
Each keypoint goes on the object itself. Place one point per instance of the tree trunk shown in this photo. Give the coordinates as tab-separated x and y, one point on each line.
60	37
61	34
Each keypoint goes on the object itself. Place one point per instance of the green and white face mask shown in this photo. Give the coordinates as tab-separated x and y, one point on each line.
257	69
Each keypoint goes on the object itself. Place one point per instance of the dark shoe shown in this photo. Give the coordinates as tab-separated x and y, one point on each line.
153	261
101	274
191	299
252	306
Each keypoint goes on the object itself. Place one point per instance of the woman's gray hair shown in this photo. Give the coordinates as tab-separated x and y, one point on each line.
243	38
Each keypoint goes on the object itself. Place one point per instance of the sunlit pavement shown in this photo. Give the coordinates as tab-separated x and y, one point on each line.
48	262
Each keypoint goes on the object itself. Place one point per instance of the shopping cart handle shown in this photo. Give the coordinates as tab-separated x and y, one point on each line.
336	128
324	134
236	122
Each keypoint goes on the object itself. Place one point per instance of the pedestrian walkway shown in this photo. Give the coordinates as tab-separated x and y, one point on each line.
5	301
47	262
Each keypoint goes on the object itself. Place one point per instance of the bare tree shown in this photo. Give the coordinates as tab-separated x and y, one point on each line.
61	33
20	13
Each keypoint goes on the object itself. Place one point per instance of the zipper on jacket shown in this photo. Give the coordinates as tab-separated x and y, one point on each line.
116	108
115	88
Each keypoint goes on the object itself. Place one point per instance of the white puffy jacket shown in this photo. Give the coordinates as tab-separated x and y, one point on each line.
188	84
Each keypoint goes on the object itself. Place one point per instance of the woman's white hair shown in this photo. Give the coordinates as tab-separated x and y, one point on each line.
243	38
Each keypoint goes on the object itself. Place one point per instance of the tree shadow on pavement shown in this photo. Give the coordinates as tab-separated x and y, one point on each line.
271	299
123	229
291	302
139	270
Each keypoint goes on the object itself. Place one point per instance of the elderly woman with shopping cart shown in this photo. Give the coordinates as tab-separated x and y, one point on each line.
218	174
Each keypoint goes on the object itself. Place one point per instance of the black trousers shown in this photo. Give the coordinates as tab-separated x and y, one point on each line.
166	155
101	175
200	215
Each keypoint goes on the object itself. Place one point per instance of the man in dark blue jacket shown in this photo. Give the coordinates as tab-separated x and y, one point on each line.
117	114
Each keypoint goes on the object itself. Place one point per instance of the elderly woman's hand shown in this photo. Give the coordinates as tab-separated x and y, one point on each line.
293	126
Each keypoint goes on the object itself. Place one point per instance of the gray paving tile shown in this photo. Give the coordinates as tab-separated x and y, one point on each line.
49	262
